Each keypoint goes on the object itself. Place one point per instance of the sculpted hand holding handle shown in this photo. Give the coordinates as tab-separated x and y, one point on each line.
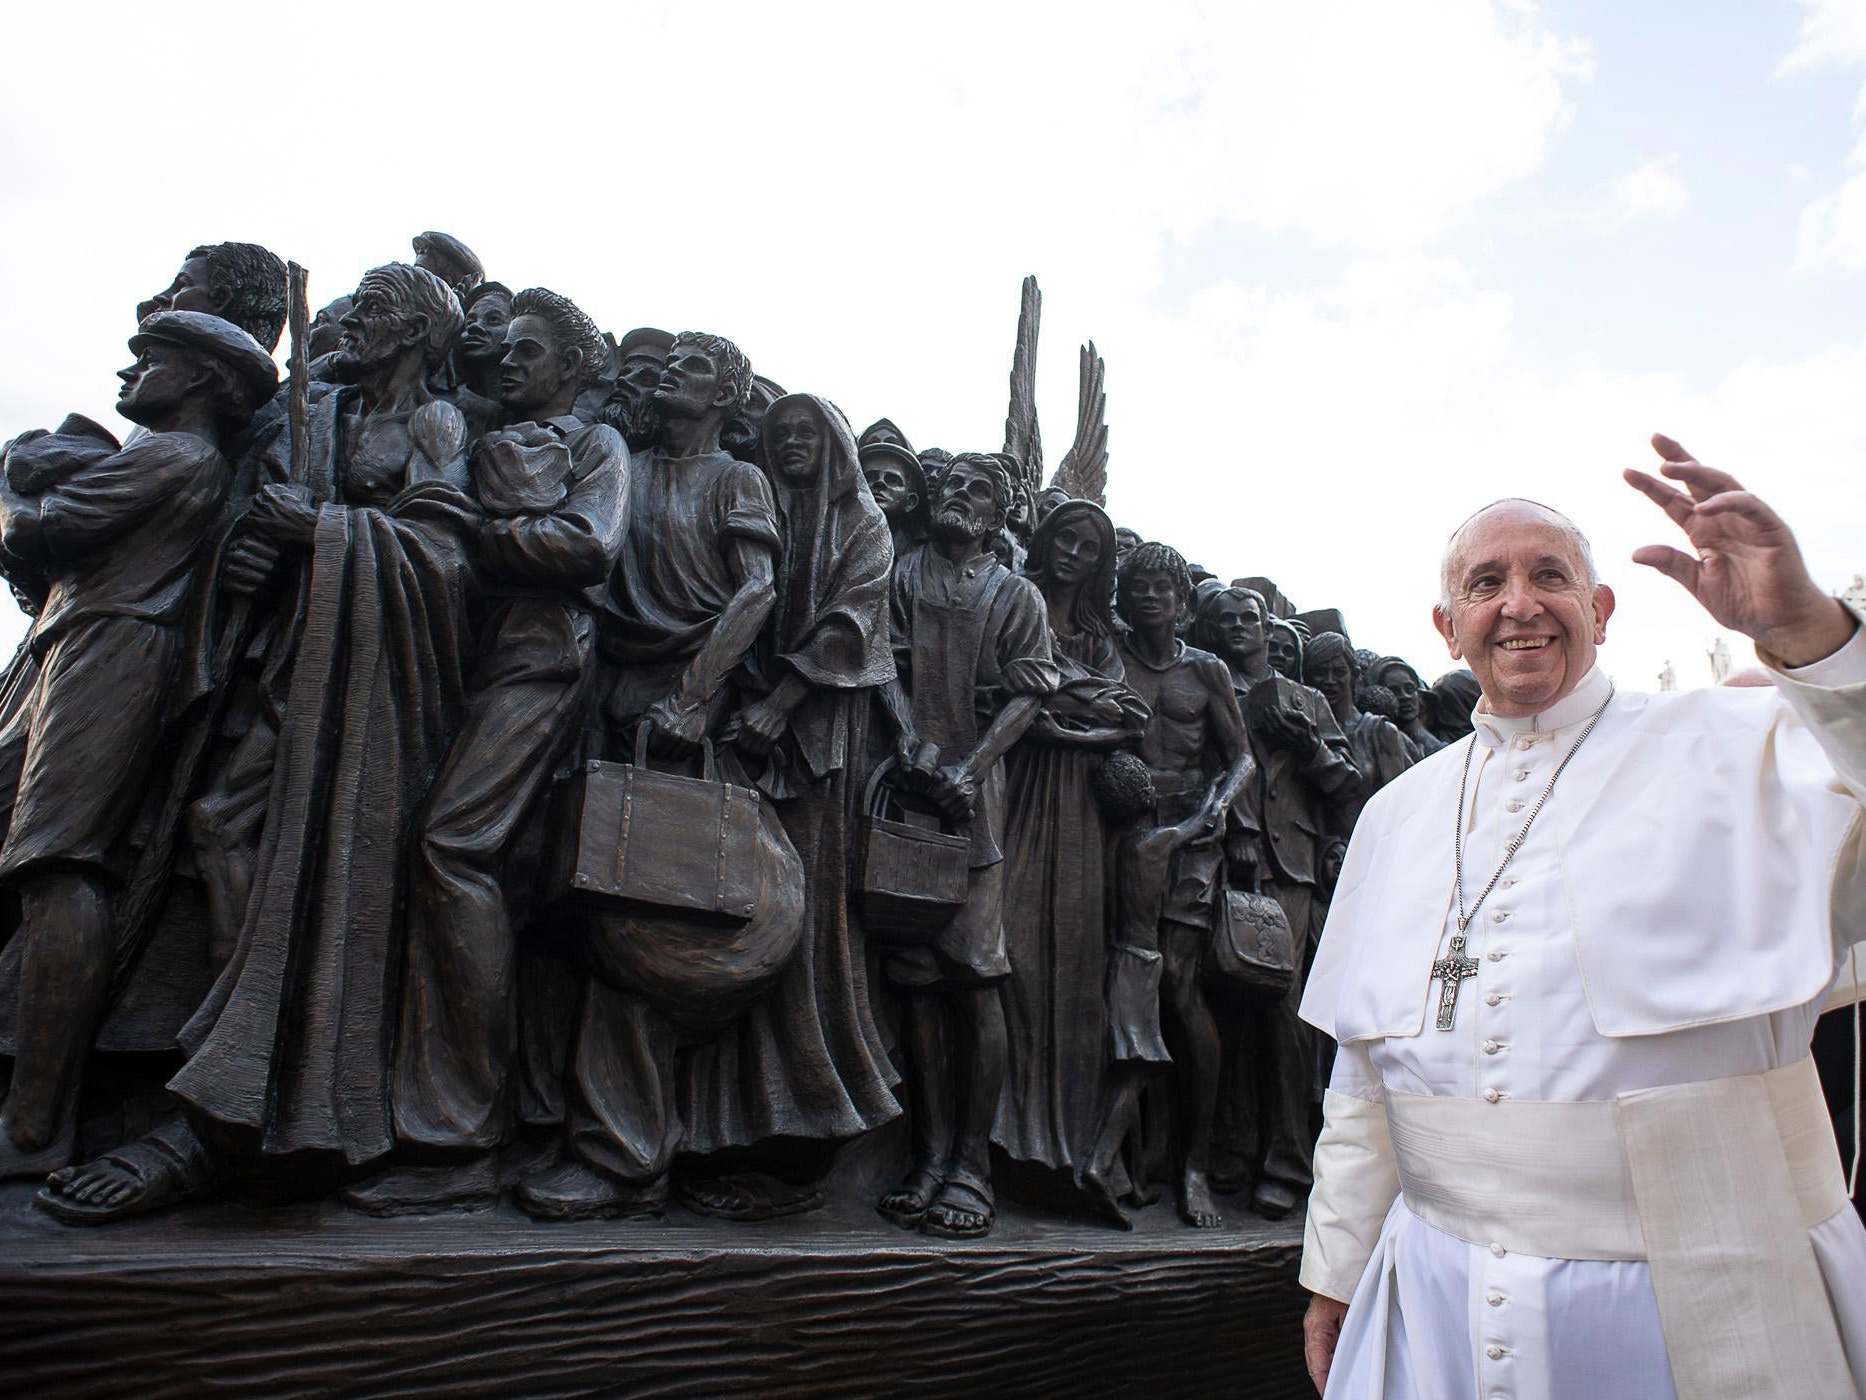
1748	573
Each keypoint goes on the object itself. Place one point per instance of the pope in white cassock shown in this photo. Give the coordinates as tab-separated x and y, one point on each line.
1574	1146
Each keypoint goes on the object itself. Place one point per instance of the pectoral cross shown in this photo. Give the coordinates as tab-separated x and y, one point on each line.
1452	971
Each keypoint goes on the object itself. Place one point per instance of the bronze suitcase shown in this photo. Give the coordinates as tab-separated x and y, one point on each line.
632	837
909	880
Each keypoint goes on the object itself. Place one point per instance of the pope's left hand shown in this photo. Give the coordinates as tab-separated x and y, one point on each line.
1748	572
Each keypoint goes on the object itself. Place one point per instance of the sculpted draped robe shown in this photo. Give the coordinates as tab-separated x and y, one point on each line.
366	680
1679	915
808	1060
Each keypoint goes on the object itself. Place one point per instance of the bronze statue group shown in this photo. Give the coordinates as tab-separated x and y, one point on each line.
509	757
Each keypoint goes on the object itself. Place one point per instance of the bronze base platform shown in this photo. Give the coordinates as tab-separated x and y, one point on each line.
314	1300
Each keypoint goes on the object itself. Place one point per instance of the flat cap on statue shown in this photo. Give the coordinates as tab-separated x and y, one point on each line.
644	340
199	330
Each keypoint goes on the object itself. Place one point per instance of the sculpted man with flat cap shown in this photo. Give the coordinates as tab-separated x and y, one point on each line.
112	540
1574	1144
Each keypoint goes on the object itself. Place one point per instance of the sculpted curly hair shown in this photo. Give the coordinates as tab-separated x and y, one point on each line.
1155	558
1123	788
251	282
569	325
735	370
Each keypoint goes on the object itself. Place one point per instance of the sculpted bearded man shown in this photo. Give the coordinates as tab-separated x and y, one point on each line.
1574	1145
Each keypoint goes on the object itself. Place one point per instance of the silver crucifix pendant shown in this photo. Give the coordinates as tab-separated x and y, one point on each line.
1450	972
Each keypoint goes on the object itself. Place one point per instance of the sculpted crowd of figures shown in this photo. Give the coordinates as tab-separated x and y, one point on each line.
511	757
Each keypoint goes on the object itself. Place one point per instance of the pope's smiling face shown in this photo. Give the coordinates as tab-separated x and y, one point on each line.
1522	613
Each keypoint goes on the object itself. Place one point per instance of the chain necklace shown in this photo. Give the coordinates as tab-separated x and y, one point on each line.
1451	970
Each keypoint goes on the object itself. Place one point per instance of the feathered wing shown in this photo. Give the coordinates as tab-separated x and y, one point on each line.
1084	469
1022	439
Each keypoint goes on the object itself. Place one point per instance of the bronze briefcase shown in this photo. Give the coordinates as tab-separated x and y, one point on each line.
630	836
909	880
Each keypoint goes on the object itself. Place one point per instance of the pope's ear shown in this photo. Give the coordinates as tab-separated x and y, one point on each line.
1603	609
1441	619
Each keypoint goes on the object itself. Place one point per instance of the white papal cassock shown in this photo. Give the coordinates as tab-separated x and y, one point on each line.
1683	909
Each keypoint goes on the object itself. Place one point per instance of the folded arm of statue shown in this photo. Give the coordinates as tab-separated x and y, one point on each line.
514	475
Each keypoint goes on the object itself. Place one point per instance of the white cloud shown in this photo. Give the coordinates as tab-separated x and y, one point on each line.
1653	190
855	196
1831	233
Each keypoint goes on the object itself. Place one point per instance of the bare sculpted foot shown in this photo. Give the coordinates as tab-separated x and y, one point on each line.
1196	1206
906	1205
963	1210
133	1180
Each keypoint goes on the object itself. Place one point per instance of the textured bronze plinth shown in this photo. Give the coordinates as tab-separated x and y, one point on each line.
313	1299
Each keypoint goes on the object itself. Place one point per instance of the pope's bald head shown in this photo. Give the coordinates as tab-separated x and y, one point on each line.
1508	513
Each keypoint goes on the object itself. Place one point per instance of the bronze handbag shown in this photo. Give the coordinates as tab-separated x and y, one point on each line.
630	836
909	880
1253	949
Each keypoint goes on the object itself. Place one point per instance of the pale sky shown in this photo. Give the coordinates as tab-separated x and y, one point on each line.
1356	268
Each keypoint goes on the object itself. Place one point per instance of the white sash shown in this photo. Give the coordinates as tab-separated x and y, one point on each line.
1715	1184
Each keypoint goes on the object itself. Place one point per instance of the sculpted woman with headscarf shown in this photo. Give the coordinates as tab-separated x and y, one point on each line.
1055	888
807	1062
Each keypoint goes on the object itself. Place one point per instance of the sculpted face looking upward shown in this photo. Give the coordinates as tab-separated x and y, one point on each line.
796	439
1521	607
970	503
162	377
192	290
691	384
893	493
376	330
486	322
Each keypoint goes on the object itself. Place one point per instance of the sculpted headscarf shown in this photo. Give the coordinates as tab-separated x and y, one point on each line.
831	620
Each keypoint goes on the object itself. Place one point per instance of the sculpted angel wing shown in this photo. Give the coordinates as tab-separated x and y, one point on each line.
1021	437
1084	469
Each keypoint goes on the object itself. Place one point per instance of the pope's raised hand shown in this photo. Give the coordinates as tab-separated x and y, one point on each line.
1747	571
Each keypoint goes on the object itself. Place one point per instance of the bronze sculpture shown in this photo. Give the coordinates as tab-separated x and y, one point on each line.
899	486
478	355
106	543
1196	746
1330	665
552	489
1054	1001
974	657
496	632
806	1063
694	583
1279	837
